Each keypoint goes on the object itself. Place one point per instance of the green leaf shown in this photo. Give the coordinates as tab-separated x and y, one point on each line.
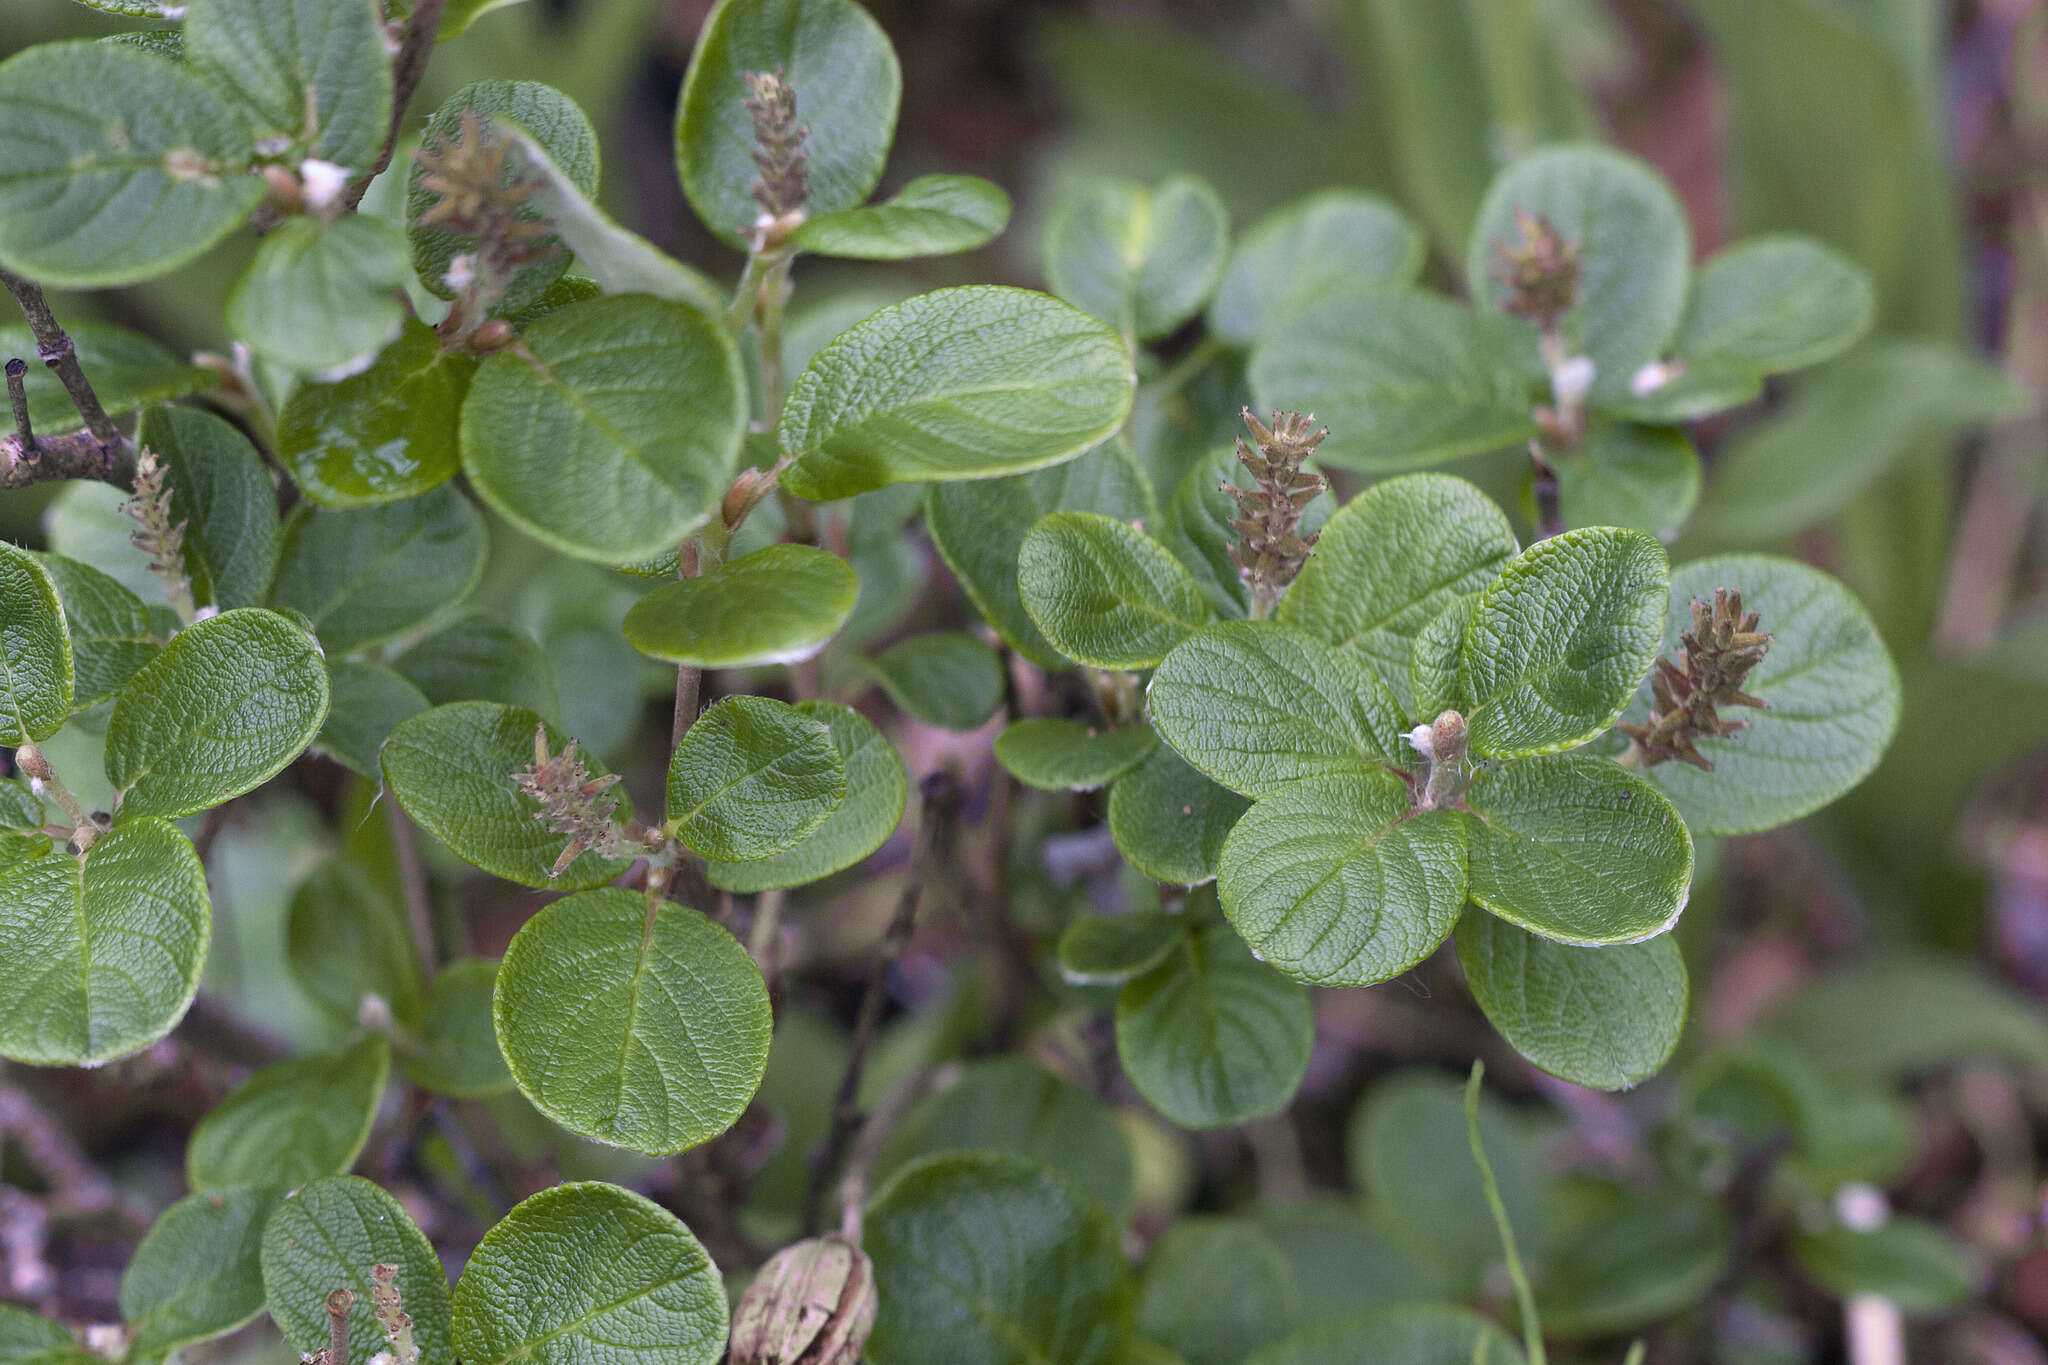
1104	593
1904	1013
1339	1262
1401	1334
322	296
589	1274
1846	428
1295	253
226	500
862	821
21	824
1433	669
366	702
1404	378
326	1236
458	1054
1213	1037
1914	1263
947	679
1831	692
136	9
1007	1104
1634	249
644	1029
1560	639
1607	1018
840	65
751	779
1179	1304
611	432
1389	563
164	42
345	942
112	634
985	1258
968	383
370	575
312	76
382	435
1069	755
1650	1259
979	525
128	370
35	651
1255	705
451	770
1169	821
934	215
616	260
481	656
291	1121
1337	882
1195	526
108	948
553	121
1400	1148
195	1275
123	165
1143	260
227	705
1762	306
26	1339
1108	950
1642	478
1576	849
778	605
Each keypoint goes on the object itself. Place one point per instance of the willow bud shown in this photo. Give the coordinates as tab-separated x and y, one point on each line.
812	1304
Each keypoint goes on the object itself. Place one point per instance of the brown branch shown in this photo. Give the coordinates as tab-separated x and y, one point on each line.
59	354
340	1303
940	804
881	1125
74	455
412	881
415	46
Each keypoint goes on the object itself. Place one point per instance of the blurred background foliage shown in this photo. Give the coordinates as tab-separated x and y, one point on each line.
1911	134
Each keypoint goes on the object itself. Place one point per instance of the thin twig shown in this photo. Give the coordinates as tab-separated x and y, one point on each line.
17	398
1549	508
59	354
415	46
412	879
340	1303
875	1133
940	805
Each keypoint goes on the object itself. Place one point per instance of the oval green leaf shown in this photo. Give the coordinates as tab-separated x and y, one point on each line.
1108	950
1399	1334
226	499
1560	639
1255	704
381	435
322	296
986	1258
1336	882
1169	821
1831	690
1106	594
291	1121
312	76
366	702
457	1049
876	788
35	651
1143	260
934	215
326	1236
124	165
369	575
1069	755
196	1274
611	432
451	770
948	679
751	779
1606	1017
968	383
589	1274
481	656
1296	252
645	1028
109	947
222	710
344	943
1389	562
778	605
1213	1037
836	59
1643	478
1576	849
1917	1264
112	634
1178	1303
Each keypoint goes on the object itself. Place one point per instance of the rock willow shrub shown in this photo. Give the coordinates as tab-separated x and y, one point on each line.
1374	727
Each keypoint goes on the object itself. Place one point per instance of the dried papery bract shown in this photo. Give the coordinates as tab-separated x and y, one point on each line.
1270	549
812	1304
1716	657
576	804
